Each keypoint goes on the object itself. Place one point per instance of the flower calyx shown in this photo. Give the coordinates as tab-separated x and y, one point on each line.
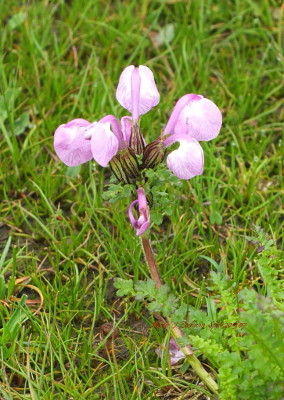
136	141
153	154
125	166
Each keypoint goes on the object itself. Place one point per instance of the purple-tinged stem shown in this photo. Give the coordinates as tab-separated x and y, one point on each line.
151	261
174	330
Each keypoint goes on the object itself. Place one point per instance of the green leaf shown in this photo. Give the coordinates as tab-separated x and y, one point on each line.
219	267
169	305
117	191
154	306
2	287
165	35
22	123
16	20
7	101
180	313
5	252
124	286
211	308
11	328
156	217
11	286
163	293
184	367
215	218
145	289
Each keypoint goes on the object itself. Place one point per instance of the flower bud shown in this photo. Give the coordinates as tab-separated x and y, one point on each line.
136	140
153	154
125	166
143	222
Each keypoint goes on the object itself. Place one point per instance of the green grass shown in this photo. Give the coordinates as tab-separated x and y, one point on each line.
61	60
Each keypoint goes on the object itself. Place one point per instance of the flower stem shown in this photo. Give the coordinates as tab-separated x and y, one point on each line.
175	331
148	253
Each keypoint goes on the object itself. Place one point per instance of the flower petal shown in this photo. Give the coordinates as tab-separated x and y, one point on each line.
133	221
173	346
174	351
104	143
176	357
143	222
188	160
200	119
126	126
143	228
116	128
70	145
77	122
123	91
142	199
180	104
148	96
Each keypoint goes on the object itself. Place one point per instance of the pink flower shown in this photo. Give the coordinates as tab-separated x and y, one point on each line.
174	351
79	141
195	116
70	144
106	139
143	222
193	119
137	91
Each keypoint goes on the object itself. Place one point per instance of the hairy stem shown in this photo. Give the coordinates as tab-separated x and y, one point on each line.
151	261
174	330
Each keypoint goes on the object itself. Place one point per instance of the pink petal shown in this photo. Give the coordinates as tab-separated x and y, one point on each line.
123	91
130	214
104	144
149	95
70	145
142	224
200	119
148	92
188	160
176	357
77	122
115	127
143	228
173	346
174	351
142	199
126	126
180	104
135	93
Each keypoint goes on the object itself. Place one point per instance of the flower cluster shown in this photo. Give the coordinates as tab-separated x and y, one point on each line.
118	143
